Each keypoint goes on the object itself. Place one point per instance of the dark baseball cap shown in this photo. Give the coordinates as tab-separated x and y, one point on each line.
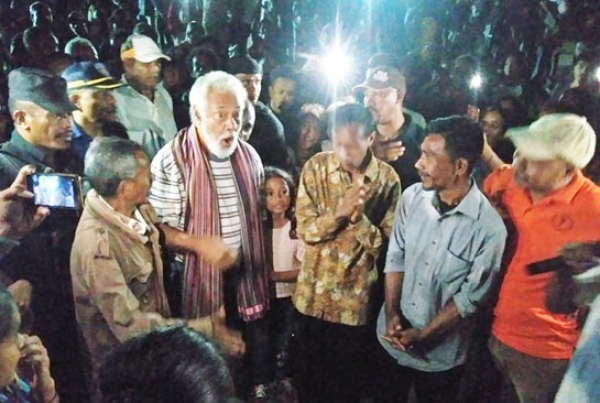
87	75
381	78
40	87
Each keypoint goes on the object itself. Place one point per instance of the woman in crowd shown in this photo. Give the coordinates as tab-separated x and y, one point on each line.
309	134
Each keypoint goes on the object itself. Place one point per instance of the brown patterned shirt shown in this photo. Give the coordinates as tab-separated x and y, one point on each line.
339	271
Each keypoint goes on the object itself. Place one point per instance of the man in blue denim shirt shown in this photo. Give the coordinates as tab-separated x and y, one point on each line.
443	259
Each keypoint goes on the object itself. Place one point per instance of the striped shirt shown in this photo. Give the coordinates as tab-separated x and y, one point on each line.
229	202
168	195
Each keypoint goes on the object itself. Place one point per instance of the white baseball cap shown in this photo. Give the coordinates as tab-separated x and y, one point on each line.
558	135
143	49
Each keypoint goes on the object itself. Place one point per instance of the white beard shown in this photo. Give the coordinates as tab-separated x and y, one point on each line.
214	145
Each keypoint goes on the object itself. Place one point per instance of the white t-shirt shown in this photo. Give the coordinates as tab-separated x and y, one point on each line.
287	255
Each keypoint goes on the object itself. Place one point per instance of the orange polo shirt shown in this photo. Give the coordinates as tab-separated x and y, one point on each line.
571	214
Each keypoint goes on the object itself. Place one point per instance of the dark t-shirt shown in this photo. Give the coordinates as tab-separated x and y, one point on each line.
42	258
411	136
290	125
268	138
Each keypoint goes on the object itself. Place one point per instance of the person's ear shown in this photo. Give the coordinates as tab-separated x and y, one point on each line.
19	116
123	188
462	166
371	138
570	172
196	113
400	93
128	65
21	119
74	98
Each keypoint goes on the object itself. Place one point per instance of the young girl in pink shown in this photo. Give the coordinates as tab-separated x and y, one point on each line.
287	252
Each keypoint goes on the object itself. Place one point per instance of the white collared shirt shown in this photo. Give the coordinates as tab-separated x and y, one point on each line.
137	223
150	124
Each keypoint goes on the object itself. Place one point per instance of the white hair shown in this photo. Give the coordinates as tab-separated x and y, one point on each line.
217	81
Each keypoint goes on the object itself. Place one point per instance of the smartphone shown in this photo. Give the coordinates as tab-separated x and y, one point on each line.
546	266
55	190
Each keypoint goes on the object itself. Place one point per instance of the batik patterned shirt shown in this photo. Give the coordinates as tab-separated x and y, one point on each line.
339	272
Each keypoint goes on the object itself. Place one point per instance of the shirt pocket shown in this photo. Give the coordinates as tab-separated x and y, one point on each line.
456	267
138	270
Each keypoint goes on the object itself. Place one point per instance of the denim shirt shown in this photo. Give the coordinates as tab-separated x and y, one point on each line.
452	256
81	141
582	379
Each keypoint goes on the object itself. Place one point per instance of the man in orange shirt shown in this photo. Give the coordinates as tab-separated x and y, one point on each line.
550	203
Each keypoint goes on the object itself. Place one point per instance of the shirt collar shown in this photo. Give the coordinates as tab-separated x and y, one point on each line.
137	223
469	205
78	131
130	88
43	155
371	171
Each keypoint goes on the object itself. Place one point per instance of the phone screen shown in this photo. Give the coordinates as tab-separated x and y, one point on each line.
55	190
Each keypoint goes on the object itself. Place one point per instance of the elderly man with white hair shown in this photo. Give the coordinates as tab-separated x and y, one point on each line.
206	184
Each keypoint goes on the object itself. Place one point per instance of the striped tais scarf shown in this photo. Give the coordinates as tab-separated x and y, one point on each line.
203	284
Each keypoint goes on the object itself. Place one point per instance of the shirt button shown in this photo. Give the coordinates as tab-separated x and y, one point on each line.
426	263
420	283
145	300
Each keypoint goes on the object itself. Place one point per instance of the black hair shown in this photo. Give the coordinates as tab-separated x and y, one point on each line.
210	55
243	64
8	310
463	138
578	101
308	113
283	71
273	172
349	114
499	111
143	28
169	364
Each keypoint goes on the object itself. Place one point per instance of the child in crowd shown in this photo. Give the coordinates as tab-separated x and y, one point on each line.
22	353
287	254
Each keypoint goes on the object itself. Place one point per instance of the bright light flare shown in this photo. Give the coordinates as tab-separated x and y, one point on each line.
336	65
597	74
476	82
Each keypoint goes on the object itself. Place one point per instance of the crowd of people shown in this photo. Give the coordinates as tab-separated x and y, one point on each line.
422	225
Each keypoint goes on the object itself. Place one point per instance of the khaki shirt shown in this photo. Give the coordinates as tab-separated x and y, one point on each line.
117	277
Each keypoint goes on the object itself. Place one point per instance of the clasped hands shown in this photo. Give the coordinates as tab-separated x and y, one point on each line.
400	338
352	204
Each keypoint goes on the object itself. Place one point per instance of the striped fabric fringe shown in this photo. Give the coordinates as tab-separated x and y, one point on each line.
203	285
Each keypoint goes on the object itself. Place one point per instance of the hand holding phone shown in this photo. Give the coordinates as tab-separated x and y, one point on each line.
55	190
17	215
